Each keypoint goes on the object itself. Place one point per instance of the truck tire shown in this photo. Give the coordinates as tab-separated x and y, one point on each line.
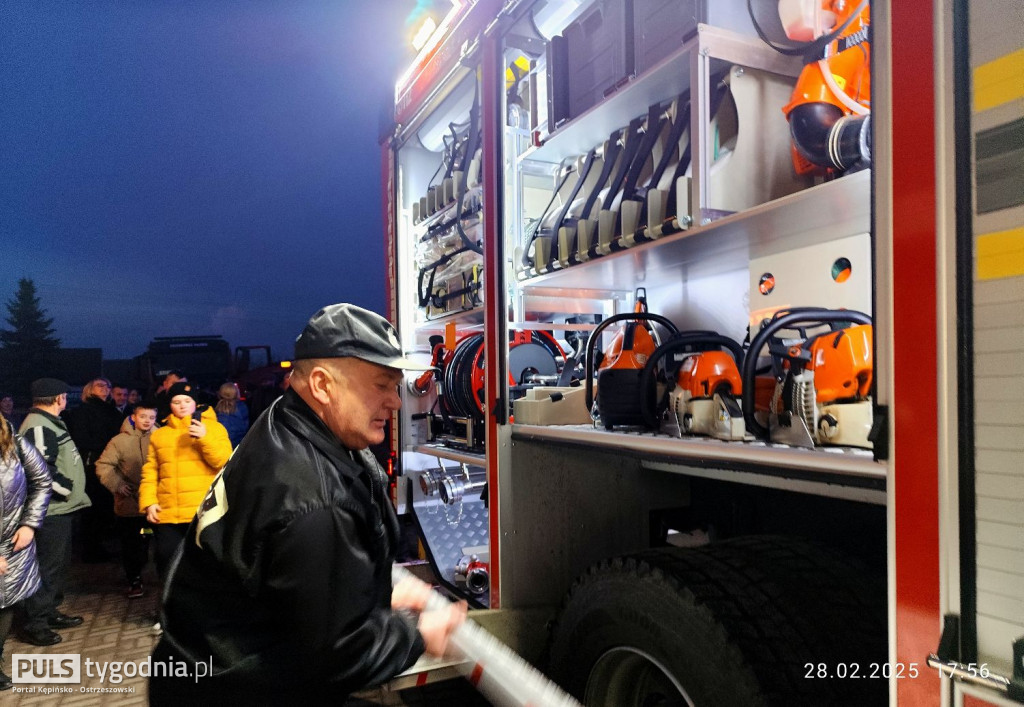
746	622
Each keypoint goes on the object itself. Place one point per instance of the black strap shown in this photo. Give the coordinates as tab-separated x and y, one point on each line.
526	259
629	151
424	296
672	148
588	162
610	155
655	122
473	138
684	159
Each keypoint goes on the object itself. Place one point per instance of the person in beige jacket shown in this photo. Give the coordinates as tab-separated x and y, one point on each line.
119	469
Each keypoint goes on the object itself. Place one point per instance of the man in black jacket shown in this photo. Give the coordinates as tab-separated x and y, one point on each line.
283	586
92	425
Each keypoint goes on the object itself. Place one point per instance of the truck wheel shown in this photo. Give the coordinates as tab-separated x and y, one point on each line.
743	622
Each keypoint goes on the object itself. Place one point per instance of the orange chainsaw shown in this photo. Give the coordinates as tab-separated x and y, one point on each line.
619	399
703	397
822	392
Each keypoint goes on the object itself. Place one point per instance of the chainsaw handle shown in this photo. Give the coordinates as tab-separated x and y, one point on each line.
594	335
748	370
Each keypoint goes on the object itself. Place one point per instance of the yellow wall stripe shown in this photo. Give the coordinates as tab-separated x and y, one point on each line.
1000	254
999	81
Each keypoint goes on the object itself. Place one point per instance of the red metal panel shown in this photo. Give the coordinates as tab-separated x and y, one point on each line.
387	188
915	401
491	86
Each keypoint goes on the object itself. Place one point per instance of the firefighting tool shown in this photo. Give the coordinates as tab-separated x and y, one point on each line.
703	384
620	400
447	256
830	111
822	380
545	234
474	573
493	668
458	420
451	488
579	229
422	384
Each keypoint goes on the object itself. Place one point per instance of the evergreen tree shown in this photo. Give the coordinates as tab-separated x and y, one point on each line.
27	349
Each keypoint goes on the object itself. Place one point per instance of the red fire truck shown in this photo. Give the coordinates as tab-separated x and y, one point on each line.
724	303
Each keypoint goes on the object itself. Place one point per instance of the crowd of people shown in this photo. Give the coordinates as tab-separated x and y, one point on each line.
109	470
274	544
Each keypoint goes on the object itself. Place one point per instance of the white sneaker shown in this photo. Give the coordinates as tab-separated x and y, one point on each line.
156	629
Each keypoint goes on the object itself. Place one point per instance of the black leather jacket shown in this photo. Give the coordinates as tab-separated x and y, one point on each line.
288	589
92	425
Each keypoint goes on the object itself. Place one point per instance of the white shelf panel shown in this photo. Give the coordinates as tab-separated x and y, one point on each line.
837	466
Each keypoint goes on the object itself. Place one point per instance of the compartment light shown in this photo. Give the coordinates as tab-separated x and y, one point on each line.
433	40
424	33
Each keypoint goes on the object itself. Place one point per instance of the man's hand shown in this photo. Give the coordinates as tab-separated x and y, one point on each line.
410	593
436	626
153	514
125	490
3	565
23	537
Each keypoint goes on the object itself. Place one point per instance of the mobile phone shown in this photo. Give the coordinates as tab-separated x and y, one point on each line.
197	416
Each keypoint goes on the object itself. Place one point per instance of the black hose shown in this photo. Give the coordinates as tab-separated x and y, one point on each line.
825	137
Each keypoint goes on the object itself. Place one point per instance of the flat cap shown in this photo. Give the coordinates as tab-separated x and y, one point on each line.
47	388
345	330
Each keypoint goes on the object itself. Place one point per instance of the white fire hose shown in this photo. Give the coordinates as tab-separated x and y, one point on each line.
492	667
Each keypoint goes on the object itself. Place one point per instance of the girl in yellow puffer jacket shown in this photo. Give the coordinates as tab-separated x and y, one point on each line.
184	457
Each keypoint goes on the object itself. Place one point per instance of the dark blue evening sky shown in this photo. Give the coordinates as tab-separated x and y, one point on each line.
193	167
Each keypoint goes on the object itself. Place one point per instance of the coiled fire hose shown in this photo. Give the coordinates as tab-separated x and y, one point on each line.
492	667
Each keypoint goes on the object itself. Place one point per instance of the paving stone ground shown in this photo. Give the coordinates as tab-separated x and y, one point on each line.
118	629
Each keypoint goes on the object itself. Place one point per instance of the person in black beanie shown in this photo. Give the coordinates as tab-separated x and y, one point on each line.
162	395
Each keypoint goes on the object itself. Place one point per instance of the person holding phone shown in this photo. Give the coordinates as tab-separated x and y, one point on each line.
184	455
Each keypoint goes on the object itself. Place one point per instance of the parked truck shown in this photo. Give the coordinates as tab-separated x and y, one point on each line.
724	303
209	361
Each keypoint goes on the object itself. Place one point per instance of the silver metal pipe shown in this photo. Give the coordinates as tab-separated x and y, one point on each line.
500	674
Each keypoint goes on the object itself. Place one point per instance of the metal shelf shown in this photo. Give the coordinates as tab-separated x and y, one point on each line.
828	471
471	319
455	455
816	215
